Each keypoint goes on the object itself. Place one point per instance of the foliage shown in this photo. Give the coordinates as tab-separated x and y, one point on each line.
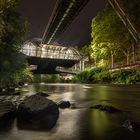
83	76
125	77
103	75
109	35
111	41
94	75
48	78
13	29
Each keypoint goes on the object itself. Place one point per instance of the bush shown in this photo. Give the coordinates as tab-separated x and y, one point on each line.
125	77
101	75
82	76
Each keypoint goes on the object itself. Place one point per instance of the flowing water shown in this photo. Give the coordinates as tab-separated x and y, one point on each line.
82	123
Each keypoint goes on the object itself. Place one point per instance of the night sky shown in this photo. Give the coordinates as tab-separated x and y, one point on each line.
78	33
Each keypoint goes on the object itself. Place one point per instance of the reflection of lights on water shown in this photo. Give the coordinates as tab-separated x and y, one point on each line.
86	87
70	96
99	122
68	124
102	93
67	96
30	89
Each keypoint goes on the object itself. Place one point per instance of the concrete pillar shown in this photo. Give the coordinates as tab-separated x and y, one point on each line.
83	65
80	65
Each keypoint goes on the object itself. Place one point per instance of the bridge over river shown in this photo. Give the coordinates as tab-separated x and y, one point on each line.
46	56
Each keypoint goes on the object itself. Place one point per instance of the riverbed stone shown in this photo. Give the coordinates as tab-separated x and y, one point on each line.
38	111
64	104
131	125
106	108
7	110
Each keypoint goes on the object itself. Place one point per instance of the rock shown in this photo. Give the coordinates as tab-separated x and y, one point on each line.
106	108
37	111
7	110
64	104
43	94
131	125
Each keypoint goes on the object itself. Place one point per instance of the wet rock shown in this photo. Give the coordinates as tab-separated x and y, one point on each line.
43	94
106	108
7	110
131	125
38	112
64	104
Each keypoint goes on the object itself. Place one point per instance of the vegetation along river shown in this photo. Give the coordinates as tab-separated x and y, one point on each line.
80	122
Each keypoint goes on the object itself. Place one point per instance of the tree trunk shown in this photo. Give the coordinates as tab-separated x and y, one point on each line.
133	53
112	60
128	58
127	54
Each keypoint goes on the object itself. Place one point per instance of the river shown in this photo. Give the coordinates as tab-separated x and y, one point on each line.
83	123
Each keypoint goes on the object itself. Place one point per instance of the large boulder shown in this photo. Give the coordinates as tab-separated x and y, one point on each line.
38	112
7	110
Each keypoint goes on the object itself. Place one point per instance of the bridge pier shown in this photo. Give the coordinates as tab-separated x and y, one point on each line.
82	65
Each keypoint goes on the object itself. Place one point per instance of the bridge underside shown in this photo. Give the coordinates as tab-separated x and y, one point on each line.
64	13
43	58
48	65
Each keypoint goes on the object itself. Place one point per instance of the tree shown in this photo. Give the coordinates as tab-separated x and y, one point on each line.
13	29
110	36
87	51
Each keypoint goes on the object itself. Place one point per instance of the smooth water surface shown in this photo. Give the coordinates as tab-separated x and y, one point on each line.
83	123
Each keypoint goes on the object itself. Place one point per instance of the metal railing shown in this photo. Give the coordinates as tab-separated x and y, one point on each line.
50	54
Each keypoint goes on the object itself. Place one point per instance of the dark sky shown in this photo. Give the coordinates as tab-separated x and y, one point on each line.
78	33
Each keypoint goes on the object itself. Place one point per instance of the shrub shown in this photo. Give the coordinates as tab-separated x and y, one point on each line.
125	77
82	76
